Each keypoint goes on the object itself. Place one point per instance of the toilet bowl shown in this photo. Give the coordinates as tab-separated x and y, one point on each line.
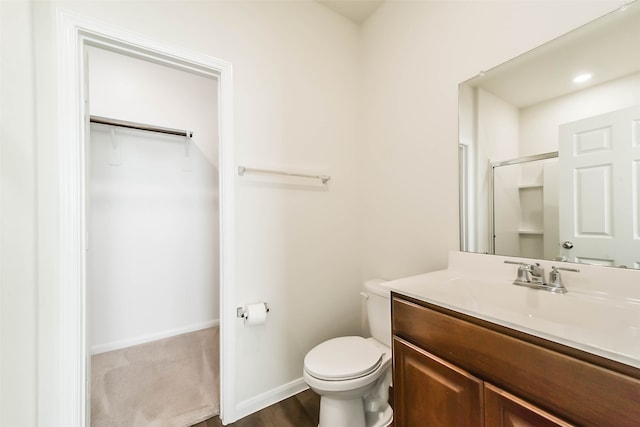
352	374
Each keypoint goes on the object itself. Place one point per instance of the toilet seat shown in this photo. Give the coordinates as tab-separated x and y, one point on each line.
343	358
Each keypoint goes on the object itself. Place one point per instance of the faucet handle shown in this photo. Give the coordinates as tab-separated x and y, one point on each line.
537	271
506	261
524	271
575	270
555	279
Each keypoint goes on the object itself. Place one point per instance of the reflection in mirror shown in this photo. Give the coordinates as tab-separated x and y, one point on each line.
550	149
525	206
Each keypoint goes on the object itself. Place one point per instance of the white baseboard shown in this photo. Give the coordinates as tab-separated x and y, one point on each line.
249	406
117	345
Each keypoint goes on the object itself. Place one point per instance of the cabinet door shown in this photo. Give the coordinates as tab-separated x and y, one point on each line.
429	392
506	410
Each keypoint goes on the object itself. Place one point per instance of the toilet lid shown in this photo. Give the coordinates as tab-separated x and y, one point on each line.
343	358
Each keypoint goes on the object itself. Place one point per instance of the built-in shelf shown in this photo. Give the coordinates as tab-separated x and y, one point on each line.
527	186
532	232
519	215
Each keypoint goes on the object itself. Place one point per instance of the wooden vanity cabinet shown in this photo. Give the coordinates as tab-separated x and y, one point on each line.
451	369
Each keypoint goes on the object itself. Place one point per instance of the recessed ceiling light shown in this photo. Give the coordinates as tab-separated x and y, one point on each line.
582	78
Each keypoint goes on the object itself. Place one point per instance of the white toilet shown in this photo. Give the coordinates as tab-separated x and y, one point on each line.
352	375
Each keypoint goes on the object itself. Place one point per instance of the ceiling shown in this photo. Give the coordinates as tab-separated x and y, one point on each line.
606	47
356	10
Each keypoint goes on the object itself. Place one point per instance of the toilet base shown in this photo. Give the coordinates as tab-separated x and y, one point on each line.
382	418
341	412
351	413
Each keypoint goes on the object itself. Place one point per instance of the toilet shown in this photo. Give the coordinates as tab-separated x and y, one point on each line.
352	374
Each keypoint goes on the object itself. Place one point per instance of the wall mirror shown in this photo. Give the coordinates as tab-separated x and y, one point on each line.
550	149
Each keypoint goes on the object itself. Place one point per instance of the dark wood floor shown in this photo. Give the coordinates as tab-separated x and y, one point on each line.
301	410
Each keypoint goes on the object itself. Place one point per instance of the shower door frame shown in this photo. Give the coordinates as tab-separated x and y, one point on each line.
75	32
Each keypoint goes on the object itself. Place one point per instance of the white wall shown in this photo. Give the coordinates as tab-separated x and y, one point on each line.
153	245
18	299
297	82
497	130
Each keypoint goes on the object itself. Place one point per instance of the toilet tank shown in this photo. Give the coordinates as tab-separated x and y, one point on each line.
379	310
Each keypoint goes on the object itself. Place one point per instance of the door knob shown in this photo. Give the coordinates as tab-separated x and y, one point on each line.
567	244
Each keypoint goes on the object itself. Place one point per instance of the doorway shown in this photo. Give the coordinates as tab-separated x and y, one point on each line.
153	254
76	35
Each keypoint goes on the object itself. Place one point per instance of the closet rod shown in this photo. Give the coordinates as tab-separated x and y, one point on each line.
139	126
242	170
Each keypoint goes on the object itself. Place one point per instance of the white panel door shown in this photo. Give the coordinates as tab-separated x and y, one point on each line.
599	189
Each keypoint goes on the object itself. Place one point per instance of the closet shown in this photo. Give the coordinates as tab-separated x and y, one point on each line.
152	263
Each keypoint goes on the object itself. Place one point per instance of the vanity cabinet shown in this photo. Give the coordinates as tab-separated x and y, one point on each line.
452	369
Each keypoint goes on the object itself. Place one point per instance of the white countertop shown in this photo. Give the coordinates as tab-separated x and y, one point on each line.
597	322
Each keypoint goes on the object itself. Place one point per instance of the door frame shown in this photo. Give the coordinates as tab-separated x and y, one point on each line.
74	33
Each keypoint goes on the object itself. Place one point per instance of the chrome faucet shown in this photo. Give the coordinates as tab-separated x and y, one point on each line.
528	274
532	276
537	273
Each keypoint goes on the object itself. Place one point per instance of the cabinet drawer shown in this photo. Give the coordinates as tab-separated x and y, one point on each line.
572	389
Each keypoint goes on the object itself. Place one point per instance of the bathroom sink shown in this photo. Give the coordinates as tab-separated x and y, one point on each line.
605	326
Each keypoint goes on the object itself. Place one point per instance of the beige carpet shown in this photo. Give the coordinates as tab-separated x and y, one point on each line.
173	382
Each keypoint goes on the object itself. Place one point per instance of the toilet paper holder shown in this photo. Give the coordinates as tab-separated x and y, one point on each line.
242	311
